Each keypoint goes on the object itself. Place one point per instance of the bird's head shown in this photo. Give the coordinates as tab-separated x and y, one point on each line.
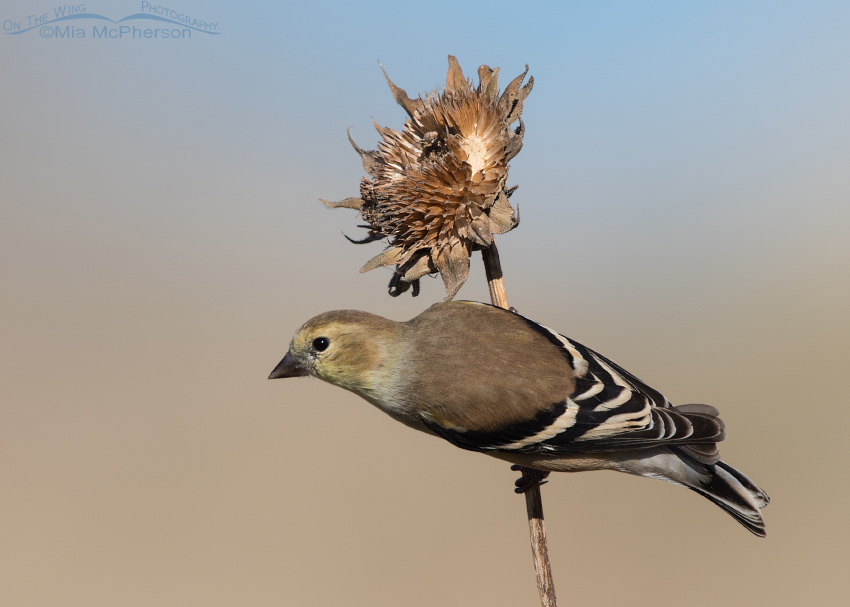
345	348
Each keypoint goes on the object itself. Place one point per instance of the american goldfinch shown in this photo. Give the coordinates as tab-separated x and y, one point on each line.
489	380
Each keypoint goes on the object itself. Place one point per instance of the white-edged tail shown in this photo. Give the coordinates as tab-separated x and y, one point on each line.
736	494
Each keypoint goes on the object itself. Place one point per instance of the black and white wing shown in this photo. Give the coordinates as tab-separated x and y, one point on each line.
609	410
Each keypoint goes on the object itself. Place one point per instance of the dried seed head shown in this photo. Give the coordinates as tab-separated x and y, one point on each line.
437	190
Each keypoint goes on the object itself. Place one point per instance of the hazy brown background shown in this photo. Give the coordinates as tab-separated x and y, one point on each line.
684	196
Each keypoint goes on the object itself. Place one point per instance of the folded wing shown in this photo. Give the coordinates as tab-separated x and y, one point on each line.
609	410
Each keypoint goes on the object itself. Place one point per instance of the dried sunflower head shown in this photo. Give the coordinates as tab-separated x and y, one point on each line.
437	189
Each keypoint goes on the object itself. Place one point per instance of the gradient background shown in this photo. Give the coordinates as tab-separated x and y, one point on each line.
684	191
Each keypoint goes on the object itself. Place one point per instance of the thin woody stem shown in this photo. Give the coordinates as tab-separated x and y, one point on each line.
533	500
495	280
539	547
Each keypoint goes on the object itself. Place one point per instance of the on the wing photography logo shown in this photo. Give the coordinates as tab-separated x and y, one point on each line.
75	22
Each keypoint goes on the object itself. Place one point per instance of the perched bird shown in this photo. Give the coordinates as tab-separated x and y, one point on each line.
489	380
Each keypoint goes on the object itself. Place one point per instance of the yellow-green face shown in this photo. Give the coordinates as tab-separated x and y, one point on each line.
342	348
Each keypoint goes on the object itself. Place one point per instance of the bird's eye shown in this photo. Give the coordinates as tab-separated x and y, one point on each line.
320	344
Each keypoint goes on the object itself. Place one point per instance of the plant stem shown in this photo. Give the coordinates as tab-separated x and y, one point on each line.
495	280
539	547
533	500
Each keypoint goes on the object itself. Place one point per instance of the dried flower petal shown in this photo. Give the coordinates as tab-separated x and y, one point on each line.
437	189
348	203
387	258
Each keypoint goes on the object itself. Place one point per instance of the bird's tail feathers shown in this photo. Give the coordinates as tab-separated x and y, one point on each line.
735	493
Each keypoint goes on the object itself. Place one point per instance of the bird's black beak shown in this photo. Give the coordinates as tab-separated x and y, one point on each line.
288	367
